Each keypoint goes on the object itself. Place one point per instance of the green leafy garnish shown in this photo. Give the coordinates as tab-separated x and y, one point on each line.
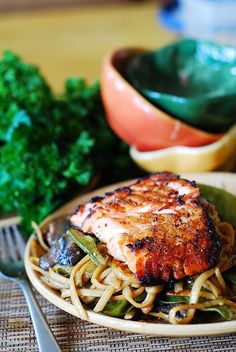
87	244
51	145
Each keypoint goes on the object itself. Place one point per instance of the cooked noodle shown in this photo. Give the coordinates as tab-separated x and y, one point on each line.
111	283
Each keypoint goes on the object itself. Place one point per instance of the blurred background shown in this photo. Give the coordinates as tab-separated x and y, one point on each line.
27	4
71	37
67	38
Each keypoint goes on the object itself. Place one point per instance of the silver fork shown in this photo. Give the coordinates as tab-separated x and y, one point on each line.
12	247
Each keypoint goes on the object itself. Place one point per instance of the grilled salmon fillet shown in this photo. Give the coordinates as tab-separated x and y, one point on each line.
157	226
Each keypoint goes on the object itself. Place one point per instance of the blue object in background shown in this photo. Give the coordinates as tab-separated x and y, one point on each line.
201	19
170	17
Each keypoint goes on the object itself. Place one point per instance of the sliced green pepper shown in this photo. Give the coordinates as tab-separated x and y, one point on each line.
90	269
137	299
117	309
231	276
120	308
174	299
63	272
224	311
87	244
177	299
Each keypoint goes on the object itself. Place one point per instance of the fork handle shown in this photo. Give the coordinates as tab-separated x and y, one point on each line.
45	338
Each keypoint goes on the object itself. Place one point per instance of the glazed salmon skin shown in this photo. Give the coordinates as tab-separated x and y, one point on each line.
157	226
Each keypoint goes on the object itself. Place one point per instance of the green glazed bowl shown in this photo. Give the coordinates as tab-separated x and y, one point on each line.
193	80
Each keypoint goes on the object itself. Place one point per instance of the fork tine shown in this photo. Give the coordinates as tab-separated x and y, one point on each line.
3	249
19	240
11	245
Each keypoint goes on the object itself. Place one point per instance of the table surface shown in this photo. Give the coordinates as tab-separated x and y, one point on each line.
73	41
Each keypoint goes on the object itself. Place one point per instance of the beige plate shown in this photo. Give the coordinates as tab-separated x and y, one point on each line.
223	180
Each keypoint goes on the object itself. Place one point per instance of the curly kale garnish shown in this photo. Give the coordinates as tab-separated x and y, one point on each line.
51	145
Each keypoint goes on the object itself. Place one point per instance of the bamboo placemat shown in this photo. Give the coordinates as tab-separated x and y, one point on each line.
17	333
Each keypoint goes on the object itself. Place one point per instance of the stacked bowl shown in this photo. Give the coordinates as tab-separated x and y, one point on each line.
175	107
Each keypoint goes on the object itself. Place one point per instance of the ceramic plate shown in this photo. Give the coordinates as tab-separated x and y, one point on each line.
226	181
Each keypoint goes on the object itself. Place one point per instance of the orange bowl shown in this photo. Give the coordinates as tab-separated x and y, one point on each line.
136	120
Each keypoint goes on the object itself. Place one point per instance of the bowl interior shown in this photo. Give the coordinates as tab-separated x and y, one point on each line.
193	80
134	118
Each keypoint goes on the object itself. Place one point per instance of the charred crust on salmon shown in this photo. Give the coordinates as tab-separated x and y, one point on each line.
107	194
96	199
180	200
125	190
157	226
147	242
77	208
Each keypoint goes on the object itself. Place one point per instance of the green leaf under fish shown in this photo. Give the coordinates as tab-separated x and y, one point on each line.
224	202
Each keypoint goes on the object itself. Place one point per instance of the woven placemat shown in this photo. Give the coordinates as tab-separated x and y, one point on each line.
17	333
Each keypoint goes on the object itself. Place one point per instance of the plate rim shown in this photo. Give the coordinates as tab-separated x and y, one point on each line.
157	329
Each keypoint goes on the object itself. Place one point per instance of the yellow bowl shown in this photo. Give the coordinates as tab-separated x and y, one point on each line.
220	155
